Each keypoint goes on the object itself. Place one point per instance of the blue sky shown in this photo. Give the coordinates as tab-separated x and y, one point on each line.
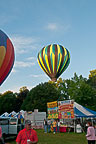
33	24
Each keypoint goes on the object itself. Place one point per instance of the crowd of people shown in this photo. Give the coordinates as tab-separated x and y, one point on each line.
51	126
54	126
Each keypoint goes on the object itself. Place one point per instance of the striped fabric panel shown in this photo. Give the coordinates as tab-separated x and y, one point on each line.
8	68
6	56
65	62
2	54
41	63
6	60
3	39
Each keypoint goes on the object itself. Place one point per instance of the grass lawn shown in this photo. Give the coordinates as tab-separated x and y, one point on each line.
59	138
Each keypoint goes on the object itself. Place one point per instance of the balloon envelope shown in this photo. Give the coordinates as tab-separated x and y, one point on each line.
6	56
54	59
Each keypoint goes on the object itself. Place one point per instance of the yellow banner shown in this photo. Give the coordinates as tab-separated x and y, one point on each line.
52	104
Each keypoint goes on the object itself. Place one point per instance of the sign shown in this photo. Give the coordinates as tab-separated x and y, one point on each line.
52	110
65	109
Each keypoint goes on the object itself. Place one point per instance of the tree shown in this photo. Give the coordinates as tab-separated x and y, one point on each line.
81	92
39	96
0	94
77	88
23	92
92	78
92	73
62	88
7	102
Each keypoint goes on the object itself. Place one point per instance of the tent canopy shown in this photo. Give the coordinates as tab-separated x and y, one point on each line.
80	111
4	114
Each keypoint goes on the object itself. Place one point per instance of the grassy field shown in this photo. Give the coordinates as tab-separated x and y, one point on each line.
59	138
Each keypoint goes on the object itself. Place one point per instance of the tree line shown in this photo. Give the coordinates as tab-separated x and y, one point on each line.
78	88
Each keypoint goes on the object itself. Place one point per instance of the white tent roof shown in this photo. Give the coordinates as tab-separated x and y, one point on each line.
81	111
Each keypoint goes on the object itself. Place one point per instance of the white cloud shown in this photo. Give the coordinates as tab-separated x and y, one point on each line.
23	64
58	27
23	44
52	26
37	76
31	58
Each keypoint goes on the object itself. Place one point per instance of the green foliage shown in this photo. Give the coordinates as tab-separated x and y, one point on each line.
92	79
10	101
23	92
7	102
62	88
77	88
81	92
92	73
39	96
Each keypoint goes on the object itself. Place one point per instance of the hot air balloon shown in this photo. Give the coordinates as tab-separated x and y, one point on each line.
6	56
53	60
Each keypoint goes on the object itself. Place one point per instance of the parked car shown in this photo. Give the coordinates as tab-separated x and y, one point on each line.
10	126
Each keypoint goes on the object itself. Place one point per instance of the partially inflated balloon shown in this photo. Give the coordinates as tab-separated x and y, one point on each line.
6	56
54	59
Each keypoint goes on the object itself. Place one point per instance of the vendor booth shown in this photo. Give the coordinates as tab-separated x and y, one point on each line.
62	111
70	115
82	115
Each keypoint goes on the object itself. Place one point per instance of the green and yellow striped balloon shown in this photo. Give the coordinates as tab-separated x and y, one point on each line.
53	60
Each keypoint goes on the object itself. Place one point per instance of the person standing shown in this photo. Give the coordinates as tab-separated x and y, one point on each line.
49	125
1	138
58	126
54	126
90	134
45	126
27	135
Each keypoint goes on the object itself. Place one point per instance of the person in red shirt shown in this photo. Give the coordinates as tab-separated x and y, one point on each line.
27	135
